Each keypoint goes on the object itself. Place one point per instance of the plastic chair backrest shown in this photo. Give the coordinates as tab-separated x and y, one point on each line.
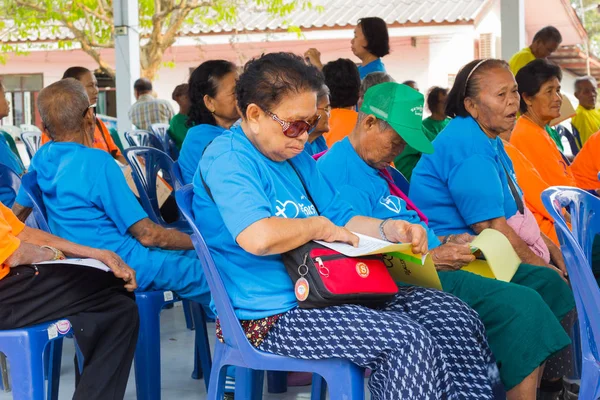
576	245
399	179
32	140
233	334
29	183
142	138
29	128
9	178
577	136
564	132
146	163
177	173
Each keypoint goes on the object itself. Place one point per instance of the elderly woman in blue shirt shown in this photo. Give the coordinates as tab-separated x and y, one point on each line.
251	206
364	183
468	184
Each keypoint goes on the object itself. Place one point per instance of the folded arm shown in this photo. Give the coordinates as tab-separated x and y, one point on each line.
150	234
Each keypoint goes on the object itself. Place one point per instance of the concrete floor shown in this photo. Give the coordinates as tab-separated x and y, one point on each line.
177	365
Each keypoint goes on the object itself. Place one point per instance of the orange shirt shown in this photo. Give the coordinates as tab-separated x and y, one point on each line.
537	146
532	185
102	139
10	227
586	165
341	124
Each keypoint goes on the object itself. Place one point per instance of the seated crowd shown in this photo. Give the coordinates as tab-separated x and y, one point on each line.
285	151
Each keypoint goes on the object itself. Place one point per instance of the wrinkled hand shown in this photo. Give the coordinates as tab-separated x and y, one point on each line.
452	256
28	253
463	238
118	267
314	57
329	232
559	271
398	231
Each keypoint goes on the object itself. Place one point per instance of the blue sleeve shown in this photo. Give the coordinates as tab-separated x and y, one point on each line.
476	189
111	193
23	198
329	202
358	199
237	190
432	239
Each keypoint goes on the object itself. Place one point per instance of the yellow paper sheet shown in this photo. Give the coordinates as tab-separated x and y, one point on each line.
501	260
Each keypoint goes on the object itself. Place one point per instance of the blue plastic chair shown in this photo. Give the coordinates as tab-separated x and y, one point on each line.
169	147
576	246
142	138
146	163
574	141
33	142
24	348
147	353
10	179
29	183
345	380
399	179
177	174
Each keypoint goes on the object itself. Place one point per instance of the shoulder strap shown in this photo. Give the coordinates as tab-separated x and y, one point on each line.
304	186
513	189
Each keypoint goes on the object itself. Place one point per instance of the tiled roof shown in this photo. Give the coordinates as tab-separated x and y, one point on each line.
335	14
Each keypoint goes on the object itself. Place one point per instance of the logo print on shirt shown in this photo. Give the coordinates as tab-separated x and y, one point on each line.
289	209
392	203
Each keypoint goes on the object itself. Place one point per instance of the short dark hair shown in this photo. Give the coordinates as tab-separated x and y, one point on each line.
142	85
531	77
376	33
467	84
433	97
548	34
180	90
343	80
75	72
266	80
205	81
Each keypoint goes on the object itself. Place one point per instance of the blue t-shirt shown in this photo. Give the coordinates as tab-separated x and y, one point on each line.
8	158
196	140
89	202
317	146
373	66
365	188
463	182
247	187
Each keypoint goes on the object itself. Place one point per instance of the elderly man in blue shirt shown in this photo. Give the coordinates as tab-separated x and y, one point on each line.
509	310
89	202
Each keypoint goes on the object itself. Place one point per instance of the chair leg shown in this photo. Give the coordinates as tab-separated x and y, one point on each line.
187	312
54	351
218	374
347	383
319	388
27	371
201	345
248	383
277	381
147	353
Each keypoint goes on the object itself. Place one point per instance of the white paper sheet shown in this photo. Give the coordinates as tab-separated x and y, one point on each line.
85	262
366	245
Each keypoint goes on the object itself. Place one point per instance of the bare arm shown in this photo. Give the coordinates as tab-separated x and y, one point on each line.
21	212
36	238
523	251
150	234
121	159
276	235
28	254
555	254
396	231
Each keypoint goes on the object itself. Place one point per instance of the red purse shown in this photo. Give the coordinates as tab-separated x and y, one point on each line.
324	277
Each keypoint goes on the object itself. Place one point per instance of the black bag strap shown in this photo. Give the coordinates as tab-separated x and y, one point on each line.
513	189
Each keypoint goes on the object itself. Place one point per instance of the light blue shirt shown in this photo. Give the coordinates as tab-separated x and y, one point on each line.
365	188
89	202
8	158
463	182
196	140
247	187
373	66
317	146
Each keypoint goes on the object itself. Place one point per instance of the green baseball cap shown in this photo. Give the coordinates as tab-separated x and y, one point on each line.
402	107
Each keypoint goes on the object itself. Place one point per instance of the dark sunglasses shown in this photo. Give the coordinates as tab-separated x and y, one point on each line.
295	128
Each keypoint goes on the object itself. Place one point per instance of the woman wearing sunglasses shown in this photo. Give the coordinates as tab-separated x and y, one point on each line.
251	205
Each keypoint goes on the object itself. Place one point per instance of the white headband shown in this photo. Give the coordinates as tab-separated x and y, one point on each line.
471	73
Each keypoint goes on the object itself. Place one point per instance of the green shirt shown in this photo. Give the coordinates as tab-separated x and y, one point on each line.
555	137
178	129
408	159
435	126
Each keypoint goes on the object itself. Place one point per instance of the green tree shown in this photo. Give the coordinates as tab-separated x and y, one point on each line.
589	13
90	22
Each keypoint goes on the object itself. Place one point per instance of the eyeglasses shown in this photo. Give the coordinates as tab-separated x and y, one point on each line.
86	110
294	129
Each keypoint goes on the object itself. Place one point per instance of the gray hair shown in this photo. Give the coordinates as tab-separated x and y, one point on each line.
62	106
586	78
383	125
324	91
374	78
